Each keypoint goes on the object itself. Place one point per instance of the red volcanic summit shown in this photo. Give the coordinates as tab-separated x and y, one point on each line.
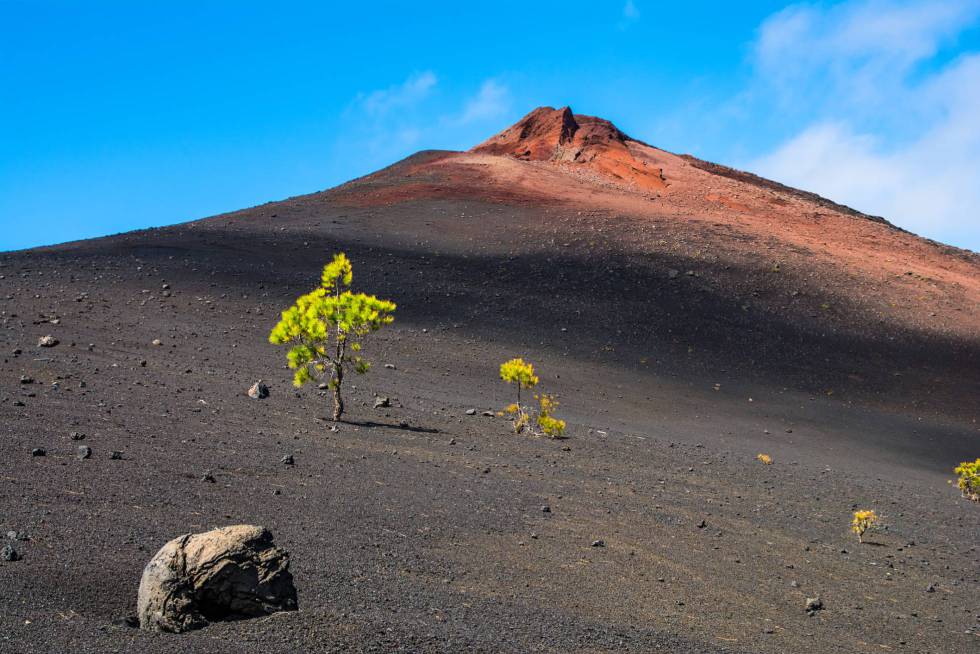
558	135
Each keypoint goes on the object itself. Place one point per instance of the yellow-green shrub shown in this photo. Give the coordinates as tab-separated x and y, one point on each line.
521	374
326	326
969	479
862	521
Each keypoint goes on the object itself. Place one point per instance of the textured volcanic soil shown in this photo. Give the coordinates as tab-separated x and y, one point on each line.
685	330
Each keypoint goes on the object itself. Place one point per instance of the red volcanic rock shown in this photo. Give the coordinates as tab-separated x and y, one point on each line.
558	135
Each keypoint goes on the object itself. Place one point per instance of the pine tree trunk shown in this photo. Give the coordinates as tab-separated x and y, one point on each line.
338	402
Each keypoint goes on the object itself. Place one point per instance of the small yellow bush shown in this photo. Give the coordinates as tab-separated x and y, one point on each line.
521	374
765	458
969	479
863	520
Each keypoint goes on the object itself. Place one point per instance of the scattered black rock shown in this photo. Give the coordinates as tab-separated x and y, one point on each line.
39	451
8	553
258	391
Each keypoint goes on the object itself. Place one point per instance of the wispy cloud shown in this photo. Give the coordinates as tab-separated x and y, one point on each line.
491	101
410	92
630	14
894	131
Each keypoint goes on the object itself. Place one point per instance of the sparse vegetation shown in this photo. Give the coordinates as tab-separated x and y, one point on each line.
862	521
326	326
968	479
521	374
764	458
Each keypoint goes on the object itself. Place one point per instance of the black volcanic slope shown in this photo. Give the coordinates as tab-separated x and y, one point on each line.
431	536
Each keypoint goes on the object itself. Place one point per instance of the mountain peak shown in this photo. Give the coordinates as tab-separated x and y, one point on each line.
563	137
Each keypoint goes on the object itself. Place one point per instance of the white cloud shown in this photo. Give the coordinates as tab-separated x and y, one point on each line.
893	132
410	92
491	101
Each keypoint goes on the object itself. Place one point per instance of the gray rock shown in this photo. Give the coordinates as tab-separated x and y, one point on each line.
471	412
208	477
115	455
8	553
287	459
77	436
84	452
229	573
381	402
258	391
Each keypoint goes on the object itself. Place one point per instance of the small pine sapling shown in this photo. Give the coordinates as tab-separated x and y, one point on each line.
521	374
968	480
326	326
862	521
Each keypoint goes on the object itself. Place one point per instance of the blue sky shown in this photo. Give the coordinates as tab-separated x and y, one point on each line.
121	115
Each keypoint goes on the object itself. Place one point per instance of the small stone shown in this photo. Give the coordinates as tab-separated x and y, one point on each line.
208	477
794	584
672	273
115	455
545	509
813	604
24	379
930	588
258	391
156	342
471	412
390	366
598	543
38	451
77	436
8	553
84	452
381	402
488	414
47	341
702	524
287	459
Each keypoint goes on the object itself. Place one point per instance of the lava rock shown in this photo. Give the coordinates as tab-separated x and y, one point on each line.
8	553
258	391
229	573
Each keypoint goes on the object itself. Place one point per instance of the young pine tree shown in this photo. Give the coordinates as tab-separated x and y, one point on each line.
326	326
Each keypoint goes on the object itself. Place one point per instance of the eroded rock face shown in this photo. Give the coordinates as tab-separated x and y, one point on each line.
229	573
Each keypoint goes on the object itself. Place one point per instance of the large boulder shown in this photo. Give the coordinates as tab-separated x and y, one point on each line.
224	574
